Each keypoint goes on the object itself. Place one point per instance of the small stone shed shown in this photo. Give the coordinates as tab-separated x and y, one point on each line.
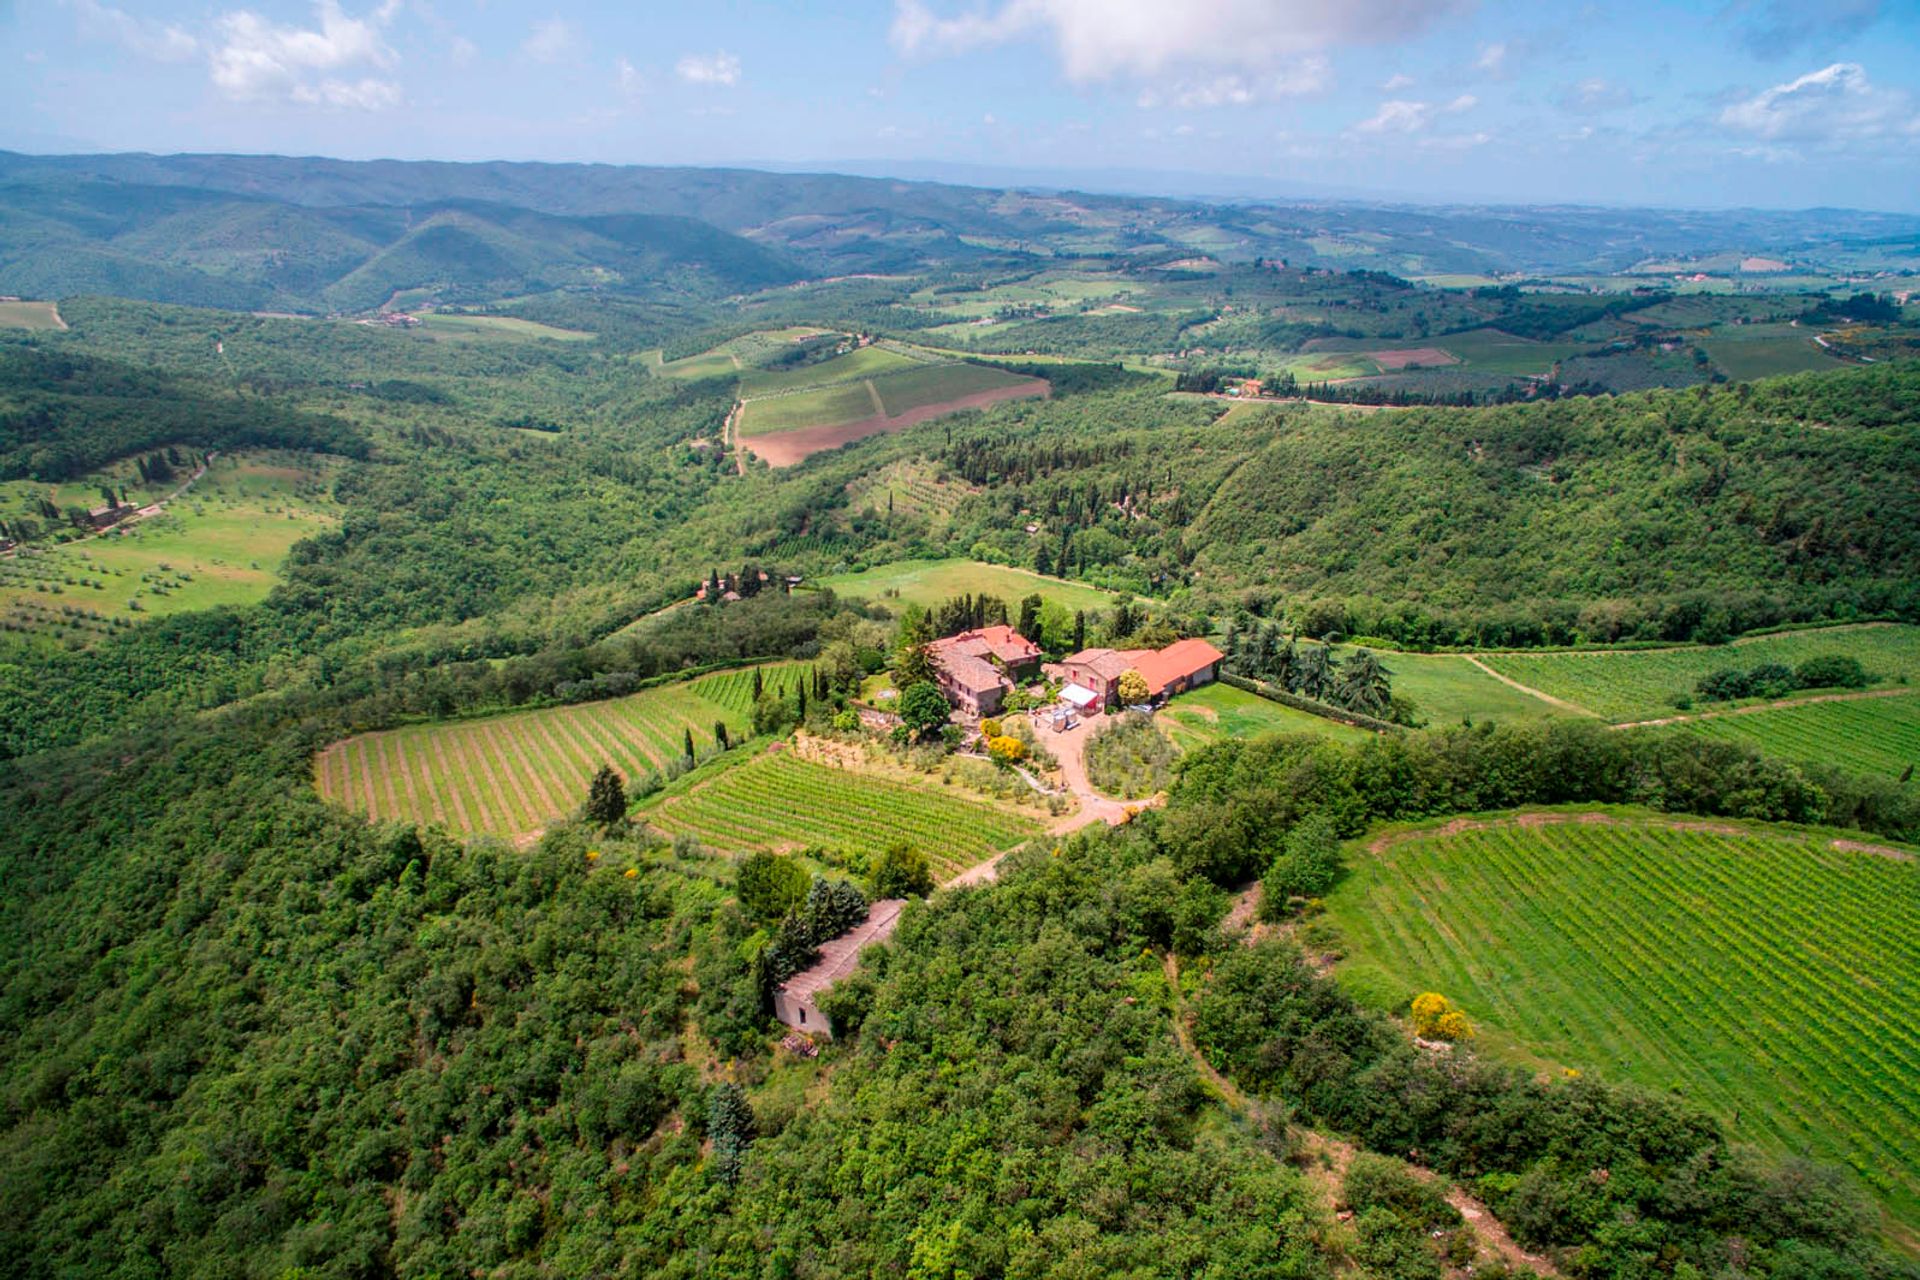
794	1001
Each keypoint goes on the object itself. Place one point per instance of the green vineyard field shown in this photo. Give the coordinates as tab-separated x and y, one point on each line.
1627	684
777	801
1762	972
513	774
1868	735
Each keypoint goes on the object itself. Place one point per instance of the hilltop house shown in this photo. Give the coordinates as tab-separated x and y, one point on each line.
795	1001
1183	665
976	668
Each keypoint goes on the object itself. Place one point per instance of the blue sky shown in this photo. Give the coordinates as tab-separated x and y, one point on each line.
1780	103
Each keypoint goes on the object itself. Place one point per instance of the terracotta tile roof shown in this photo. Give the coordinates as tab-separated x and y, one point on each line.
964	669
839	957
1105	663
998	641
1177	661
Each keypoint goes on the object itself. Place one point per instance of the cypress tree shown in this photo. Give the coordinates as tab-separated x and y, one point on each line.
689	742
606	798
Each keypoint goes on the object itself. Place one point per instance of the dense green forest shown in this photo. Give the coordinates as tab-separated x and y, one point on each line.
245	1034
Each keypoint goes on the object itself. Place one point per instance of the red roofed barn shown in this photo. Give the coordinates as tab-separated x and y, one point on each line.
1183	665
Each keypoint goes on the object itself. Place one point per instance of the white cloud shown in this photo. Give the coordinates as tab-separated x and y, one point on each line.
1098	40
1595	95
365	94
1395	83
720	68
1309	75
255	58
1492	60
1399	115
162	42
462	51
1835	104
628	77
550	41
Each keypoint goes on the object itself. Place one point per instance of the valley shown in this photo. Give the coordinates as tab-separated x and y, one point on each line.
1341	715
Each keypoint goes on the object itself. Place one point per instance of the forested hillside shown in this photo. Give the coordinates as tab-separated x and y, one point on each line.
246	1032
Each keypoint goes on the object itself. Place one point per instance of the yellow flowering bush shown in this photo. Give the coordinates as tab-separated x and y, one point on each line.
1436	1018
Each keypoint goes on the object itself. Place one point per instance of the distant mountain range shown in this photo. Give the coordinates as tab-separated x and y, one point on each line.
311	234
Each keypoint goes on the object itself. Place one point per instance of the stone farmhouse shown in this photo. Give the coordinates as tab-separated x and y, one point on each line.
795	1002
1183	665
976	668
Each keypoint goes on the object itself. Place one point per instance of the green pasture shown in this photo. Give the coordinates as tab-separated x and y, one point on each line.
928	582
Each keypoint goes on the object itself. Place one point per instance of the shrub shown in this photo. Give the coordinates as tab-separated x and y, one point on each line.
990	727
1436	1018
1005	750
769	885
1382	1182
1830	671
1307	866
902	871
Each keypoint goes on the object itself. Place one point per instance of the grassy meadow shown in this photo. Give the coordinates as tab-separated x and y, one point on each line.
37	316
928	582
1761	972
220	543
1217	711
446	325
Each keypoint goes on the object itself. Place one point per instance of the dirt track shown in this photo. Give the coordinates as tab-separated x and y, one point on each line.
785	448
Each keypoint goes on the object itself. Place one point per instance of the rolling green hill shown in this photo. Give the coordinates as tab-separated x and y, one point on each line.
242	251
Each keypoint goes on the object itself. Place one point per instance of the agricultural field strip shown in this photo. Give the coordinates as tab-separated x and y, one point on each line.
1881	734
1624	684
512	773
1888	1044
774	801
1667	1007
1515	887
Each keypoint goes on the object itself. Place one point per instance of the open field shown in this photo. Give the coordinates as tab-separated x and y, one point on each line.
864	362
220	543
1761	972
1624	685
790	428
1497	351
834	406
928	582
1217	711
1866	735
1446	689
1744	352
513	774
31	315
777	801
443	325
